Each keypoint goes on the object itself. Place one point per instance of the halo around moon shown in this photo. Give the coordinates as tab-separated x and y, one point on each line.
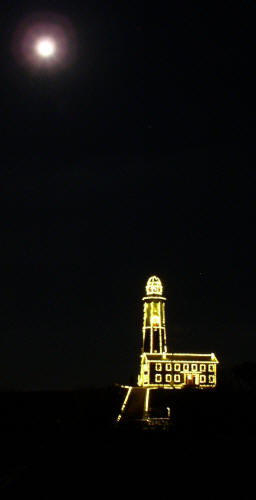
44	40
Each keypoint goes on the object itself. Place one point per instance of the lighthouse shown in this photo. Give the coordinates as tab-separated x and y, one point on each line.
160	368
154	330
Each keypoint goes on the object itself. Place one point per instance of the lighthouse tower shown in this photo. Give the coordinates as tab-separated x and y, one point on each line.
160	369
154	330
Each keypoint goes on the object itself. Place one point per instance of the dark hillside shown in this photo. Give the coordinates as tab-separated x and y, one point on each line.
64	439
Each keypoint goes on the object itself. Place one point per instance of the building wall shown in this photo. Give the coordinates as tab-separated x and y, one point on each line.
178	374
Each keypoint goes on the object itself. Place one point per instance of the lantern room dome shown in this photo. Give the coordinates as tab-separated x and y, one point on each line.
154	286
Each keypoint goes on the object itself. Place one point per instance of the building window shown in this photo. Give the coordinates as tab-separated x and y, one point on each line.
186	367
202	379
158	367
177	367
211	379
202	368
211	368
176	378
158	378
168	367
168	377
194	368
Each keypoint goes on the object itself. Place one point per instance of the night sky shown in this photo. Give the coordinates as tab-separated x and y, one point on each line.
134	157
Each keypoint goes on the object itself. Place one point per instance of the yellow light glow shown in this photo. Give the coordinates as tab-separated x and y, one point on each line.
160	368
188	365
155	320
45	47
124	403
154	286
146	401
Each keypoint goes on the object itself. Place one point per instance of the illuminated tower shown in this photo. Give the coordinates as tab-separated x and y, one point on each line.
160	369
154	331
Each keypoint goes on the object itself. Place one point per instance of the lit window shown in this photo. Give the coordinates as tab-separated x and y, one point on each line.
202	379
185	367
155	320
176	378
158	378
168	367
202	368
194	368
177	367
168	377
211	368
158	367
211	379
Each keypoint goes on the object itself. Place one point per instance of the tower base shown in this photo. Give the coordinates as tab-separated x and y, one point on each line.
145	407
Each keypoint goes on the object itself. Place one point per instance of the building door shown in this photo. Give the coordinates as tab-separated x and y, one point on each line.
191	379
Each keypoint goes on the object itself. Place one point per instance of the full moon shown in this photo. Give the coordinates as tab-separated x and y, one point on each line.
45	47
45	42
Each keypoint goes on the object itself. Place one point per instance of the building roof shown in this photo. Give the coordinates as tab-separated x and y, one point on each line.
154	286
181	357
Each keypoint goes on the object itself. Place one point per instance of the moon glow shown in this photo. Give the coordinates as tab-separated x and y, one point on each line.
44	42
45	47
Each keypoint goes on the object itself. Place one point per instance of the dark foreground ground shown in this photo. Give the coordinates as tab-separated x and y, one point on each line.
55	444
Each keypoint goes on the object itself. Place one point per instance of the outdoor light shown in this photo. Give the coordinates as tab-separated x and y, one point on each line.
177	370
155	320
